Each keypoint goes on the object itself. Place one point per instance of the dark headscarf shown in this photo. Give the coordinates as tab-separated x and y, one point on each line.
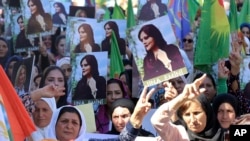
209	130
122	102
225	98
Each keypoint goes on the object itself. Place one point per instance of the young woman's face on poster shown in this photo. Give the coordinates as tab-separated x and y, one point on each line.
147	41
86	68
22	76
108	30
57	8
33	7
20	23
83	34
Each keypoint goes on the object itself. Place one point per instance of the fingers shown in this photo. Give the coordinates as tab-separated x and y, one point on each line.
149	94
198	81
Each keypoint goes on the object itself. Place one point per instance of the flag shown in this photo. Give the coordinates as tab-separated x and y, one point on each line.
244	16
17	120
233	18
130	15
117	12
193	7
213	37
116	64
178	15
106	16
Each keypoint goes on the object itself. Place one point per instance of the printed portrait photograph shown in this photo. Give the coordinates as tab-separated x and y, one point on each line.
60	12
82	11
37	17
89	77
156	53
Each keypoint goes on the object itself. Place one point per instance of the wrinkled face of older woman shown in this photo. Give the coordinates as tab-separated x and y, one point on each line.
120	117
226	115
195	117
68	127
42	114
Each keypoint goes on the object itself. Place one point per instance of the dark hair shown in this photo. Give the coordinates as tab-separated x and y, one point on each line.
91	60
39	6
63	99
113	25
247	91
69	109
62	8
152	31
127	62
122	102
88	29
247	25
208	76
58	39
119	82
19	17
128	76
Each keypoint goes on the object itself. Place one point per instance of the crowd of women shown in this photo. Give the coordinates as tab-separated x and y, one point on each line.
195	106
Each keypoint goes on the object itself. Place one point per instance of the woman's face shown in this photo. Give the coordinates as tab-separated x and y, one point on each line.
245	31
210	91
68	127
147	41
226	115
20	23
67	69
10	68
3	49
195	117
55	77
57	8
120	117
33	7
178	84
42	114
188	43
61	47
108	30
86	68
22	76
47	41
113	92
83	34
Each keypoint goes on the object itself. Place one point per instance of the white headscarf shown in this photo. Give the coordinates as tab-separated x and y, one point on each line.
41	133
52	125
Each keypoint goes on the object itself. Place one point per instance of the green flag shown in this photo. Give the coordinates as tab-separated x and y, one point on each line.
233	18
193	7
107	14
117	12
213	36
116	64
130	15
244	16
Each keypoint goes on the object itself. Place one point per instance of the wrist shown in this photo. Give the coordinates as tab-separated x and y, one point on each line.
135	121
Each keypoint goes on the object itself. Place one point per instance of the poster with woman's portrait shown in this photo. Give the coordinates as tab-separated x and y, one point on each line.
245	72
82	35
21	42
89	77
119	27
37	17
155	51
21	77
82	11
151	9
60	12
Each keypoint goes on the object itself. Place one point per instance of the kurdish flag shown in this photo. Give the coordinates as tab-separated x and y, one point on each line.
213	36
244	16
116	64
15	122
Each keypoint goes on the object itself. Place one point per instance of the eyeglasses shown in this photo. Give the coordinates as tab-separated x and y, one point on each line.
188	40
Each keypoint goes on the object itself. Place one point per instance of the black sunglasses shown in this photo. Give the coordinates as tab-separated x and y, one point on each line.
188	40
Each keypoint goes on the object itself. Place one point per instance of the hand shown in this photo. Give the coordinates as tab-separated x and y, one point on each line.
235	58
142	107
242	120
223	71
192	90
47	91
170	91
